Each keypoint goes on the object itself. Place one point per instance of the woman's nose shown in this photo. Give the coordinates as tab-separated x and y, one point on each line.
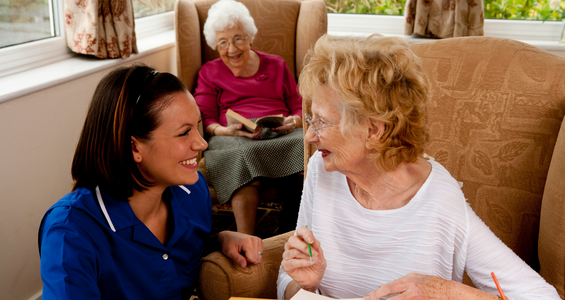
199	144
311	137
231	46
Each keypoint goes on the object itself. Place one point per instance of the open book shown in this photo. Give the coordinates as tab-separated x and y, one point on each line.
267	122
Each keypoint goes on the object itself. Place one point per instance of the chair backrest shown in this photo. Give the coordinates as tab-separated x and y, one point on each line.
495	112
287	28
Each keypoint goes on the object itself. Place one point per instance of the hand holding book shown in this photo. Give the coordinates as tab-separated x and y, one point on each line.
276	123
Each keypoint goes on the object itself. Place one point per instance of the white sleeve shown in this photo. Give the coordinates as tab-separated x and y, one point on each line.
304	218
486	253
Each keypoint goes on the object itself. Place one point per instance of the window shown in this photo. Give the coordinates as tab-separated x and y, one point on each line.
20	51
143	8
494	9
25	21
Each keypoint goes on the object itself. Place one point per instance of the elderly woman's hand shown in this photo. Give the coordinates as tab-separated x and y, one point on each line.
288	126
296	260
418	286
241	248
236	130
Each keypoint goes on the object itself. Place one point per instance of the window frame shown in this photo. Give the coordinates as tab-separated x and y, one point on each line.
30	55
522	30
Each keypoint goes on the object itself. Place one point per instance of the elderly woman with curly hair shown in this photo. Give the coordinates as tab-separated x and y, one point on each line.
253	84
382	220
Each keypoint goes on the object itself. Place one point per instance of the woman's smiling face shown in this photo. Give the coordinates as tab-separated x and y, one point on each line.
235	58
169	156
339	154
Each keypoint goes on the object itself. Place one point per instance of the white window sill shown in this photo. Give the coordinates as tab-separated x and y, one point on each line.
154	33
542	35
546	45
27	82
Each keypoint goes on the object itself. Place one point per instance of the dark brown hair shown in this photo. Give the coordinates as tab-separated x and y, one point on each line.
126	103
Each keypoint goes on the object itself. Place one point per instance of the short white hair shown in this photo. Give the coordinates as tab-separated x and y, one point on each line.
225	14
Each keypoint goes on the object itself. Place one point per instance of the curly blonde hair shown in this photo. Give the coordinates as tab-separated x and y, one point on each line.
378	79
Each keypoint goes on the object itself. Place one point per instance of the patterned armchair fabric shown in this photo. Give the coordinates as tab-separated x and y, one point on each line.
496	123
496	110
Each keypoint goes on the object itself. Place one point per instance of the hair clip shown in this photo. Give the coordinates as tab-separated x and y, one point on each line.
146	82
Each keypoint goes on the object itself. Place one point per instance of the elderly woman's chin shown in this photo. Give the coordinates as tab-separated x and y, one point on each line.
333	163
237	63
188	175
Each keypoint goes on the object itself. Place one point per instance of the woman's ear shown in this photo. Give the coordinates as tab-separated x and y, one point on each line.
376	132
135	150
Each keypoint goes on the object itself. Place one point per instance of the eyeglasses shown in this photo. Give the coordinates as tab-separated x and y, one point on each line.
238	42
318	124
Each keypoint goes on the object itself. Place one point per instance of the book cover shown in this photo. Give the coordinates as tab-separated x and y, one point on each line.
267	121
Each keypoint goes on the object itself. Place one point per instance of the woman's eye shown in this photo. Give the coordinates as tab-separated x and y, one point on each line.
184	133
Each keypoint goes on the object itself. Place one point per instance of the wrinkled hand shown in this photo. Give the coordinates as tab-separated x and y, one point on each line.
287	127
241	248
296	260
414	286
236	130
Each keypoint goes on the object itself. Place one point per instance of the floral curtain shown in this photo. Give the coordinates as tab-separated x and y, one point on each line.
103	28
444	18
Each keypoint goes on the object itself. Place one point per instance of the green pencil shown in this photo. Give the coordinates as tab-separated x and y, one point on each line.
310	251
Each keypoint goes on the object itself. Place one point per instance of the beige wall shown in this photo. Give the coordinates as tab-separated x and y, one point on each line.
38	135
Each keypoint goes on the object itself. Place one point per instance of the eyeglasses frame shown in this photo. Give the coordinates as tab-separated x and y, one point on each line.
228	42
311	124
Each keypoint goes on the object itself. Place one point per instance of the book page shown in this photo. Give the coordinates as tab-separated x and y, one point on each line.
235	118
306	295
270	121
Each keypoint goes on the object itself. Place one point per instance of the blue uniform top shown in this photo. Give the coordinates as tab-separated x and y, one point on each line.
83	258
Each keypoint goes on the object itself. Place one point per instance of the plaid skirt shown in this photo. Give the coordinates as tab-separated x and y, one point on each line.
232	161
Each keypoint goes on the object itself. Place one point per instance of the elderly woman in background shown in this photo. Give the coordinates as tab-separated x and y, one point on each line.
382	220
253	84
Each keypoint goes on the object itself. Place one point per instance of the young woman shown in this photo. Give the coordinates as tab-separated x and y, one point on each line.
139	216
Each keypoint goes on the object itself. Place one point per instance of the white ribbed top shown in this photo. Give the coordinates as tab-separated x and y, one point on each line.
436	233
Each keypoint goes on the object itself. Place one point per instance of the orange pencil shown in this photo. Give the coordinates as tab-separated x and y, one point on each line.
498	286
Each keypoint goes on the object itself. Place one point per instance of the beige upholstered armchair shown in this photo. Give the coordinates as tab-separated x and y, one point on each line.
496	123
287	28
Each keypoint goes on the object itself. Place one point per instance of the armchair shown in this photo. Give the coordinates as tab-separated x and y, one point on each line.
496	123
287	28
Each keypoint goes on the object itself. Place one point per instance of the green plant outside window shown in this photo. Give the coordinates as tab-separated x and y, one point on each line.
543	10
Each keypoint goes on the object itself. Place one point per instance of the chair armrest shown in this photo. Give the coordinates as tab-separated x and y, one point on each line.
221	279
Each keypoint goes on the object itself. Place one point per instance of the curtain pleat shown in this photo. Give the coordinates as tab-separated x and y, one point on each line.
103	28
444	18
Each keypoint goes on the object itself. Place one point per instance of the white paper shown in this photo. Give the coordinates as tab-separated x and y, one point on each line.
306	295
